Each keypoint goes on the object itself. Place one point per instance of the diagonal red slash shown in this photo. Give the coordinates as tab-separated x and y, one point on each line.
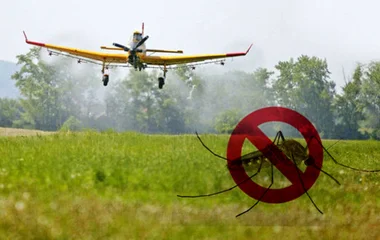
275	155
247	128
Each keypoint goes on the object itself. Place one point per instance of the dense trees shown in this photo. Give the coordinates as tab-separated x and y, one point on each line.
303	86
349	109
136	103
10	113
50	93
370	98
53	96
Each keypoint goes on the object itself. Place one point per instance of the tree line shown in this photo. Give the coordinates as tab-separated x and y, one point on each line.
54	97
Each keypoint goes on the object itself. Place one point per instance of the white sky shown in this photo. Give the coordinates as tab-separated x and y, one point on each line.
342	31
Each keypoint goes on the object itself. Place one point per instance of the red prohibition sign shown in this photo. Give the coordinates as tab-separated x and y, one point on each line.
248	128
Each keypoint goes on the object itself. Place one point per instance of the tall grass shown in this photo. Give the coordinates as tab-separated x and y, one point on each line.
109	185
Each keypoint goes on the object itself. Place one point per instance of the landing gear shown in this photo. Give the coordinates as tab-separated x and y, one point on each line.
142	67
161	82
105	79
105	73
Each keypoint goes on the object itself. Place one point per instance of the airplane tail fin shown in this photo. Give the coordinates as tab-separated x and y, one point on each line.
142	29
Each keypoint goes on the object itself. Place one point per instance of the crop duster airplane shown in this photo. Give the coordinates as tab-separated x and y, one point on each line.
135	56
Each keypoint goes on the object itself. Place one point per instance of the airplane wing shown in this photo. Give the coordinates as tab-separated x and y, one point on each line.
93	55
147	50
164	51
122	58
174	60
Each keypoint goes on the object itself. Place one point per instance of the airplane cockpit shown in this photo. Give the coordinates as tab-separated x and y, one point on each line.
137	36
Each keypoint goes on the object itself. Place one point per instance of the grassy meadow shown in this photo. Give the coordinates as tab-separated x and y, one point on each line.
91	185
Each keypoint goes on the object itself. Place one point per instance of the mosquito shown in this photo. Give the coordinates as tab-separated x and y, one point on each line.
257	160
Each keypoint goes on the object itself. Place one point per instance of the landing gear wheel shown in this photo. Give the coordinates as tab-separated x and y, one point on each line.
105	80
161	82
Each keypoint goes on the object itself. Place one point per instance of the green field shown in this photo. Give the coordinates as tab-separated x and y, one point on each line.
110	185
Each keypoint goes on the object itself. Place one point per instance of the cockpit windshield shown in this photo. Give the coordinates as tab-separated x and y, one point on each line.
137	37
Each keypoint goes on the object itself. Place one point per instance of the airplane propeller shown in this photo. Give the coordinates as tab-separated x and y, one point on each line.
121	46
141	42
134	50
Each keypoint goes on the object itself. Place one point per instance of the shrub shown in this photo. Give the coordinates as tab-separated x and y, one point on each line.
71	124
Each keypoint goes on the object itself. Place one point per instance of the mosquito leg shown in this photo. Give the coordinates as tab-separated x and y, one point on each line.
246	157
226	190
261	195
333	144
281	135
336	162
276	138
320	169
204	145
303	186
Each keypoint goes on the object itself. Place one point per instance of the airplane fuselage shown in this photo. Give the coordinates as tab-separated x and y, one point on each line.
134	58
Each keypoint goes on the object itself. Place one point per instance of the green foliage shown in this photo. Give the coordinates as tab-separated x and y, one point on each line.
137	104
375	135
370	93
92	185
226	121
189	101
51	93
349	109
71	124
303	86
38	83
10	112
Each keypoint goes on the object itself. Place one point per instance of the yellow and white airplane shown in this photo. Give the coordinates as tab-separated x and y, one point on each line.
135	56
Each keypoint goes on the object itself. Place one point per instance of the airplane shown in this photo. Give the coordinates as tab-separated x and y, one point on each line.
136	56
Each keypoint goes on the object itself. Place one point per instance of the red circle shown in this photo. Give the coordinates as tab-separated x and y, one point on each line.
248	128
